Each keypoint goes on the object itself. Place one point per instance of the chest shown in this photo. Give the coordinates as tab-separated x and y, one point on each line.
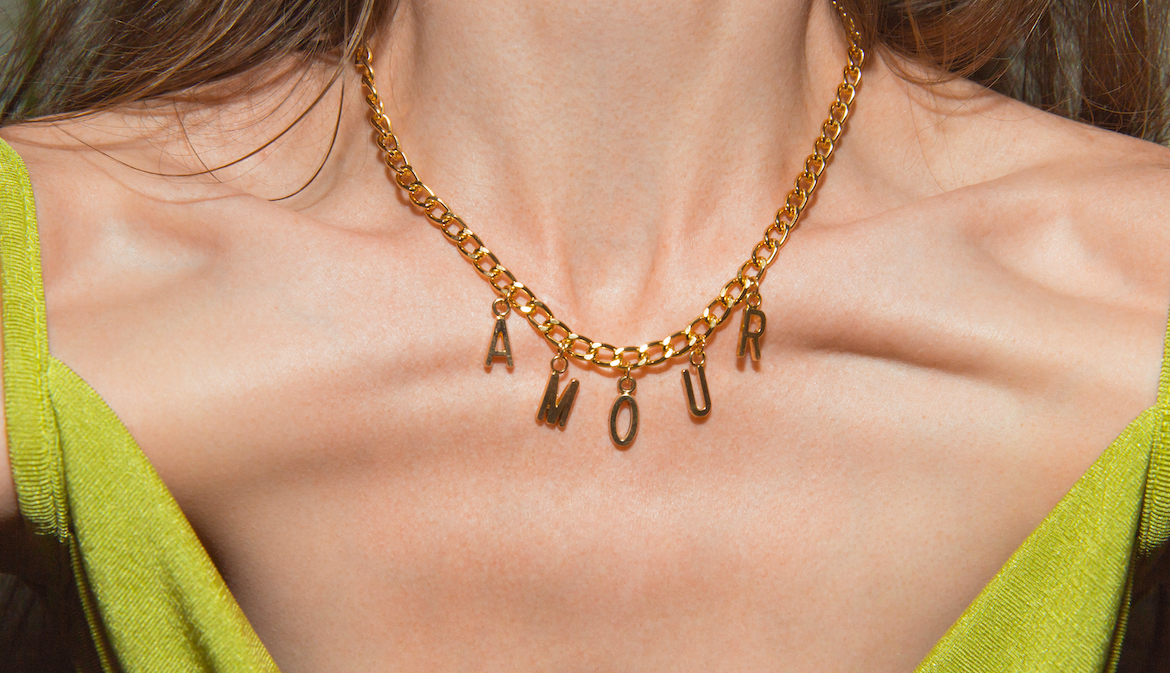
332	434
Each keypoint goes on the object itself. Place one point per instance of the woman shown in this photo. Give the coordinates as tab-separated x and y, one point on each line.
972	309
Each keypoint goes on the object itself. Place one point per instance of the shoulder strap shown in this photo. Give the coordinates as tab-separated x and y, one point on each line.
31	428
1155	527
1164	384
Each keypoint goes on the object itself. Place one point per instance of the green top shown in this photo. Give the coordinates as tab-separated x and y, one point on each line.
155	601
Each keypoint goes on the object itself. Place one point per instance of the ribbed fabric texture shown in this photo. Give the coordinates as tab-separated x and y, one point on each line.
1054	606
156	602
37	467
153	598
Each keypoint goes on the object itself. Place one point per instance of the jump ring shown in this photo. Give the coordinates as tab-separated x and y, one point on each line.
501	308
564	363
698	357
627	379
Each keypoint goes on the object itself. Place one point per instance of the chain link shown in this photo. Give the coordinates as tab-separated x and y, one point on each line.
568	343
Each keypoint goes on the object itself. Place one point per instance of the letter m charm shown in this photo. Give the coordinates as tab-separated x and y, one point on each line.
554	411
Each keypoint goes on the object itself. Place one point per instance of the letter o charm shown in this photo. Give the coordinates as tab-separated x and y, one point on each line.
632	431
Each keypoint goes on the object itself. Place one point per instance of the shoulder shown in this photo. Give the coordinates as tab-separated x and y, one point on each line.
74	194
13	199
1043	240
1065	204
1074	220
119	220
1092	209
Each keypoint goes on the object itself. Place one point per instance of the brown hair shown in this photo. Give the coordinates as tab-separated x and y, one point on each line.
76	56
1104	62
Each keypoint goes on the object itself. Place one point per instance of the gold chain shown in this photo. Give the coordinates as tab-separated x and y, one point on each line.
743	288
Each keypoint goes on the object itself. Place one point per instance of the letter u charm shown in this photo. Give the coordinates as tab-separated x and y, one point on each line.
699	360
626	387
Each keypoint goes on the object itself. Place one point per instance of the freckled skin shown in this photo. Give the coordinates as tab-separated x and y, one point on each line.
971	311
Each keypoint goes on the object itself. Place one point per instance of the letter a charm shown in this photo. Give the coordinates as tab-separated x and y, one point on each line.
501	310
626	387
553	411
747	335
699	360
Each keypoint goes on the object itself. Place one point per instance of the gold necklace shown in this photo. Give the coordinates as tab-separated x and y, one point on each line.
743	289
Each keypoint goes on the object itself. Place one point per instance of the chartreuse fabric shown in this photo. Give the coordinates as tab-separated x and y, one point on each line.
155	602
153	598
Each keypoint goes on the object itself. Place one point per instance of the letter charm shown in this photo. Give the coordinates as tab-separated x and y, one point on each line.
553	411
500	333
695	410
626	387
747	334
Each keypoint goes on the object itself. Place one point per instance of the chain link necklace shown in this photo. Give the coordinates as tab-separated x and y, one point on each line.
743	289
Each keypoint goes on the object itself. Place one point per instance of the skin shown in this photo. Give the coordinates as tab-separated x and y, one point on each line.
972	309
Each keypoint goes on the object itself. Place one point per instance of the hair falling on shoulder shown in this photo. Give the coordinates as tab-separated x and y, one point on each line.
1088	61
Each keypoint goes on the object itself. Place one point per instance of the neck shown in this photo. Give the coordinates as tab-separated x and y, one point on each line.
575	126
